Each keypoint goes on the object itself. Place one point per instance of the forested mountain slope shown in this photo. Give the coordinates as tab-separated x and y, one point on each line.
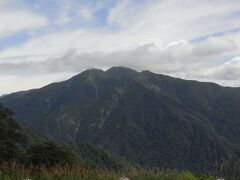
151	119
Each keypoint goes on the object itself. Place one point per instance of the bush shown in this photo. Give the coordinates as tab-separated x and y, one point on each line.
12	138
49	154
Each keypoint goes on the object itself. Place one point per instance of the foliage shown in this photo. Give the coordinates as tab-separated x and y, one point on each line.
79	172
49	154
229	169
11	137
97	157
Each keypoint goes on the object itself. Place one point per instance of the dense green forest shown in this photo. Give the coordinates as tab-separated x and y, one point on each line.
121	122
20	158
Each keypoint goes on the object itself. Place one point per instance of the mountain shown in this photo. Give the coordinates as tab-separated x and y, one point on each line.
151	119
24	146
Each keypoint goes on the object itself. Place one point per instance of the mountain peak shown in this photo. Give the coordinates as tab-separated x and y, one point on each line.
88	73
120	72
92	71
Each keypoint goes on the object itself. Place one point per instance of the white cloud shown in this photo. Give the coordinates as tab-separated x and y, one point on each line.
215	45
172	19
122	13
63	15
177	59
169	59
154	35
85	13
63	18
13	83
14	20
230	70
167	21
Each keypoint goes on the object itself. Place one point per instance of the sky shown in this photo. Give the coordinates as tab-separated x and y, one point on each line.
45	41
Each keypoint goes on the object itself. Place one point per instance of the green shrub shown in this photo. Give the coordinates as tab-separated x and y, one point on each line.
49	154
12	138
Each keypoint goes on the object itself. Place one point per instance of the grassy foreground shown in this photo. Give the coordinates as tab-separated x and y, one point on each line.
77	172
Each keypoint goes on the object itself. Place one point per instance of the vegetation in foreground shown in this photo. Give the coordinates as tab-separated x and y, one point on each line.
76	172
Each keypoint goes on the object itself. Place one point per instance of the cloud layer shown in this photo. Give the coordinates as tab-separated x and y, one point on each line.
189	39
181	58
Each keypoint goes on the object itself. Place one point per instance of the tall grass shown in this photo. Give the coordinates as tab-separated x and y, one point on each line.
14	171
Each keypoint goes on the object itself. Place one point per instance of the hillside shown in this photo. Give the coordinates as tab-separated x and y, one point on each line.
148	118
24	146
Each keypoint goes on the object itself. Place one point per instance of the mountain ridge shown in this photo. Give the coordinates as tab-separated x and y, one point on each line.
118	67
152	119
